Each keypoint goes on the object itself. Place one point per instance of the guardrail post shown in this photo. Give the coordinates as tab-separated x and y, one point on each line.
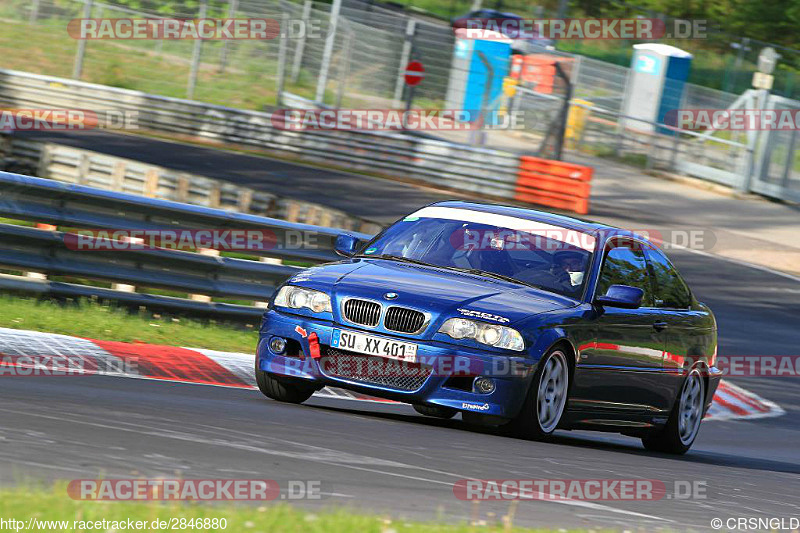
270	261
77	67
245	200
215	195
182	188
151	182
118	176
39	275
204	297
301	46
83	169
45	157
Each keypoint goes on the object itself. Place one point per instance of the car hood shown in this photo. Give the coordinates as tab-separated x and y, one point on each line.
440	292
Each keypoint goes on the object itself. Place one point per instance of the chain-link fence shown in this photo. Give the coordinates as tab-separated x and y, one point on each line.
360	66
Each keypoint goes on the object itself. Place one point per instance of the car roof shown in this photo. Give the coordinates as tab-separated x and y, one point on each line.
564	221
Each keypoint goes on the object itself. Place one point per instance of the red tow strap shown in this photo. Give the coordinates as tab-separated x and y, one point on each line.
313	345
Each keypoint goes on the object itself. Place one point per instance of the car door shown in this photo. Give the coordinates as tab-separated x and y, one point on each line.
621	369
686	330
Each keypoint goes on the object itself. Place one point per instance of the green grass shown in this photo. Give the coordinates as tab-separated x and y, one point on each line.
248	82
23	503
85	318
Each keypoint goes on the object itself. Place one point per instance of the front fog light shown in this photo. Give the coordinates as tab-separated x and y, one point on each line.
277	345
484	385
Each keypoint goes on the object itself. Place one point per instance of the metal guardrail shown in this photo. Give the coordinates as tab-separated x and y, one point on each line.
85	167
440	163
44	201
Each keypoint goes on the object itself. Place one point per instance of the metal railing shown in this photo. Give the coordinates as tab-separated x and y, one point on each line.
26	249
85	167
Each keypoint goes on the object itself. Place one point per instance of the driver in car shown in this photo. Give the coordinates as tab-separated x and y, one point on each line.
569	269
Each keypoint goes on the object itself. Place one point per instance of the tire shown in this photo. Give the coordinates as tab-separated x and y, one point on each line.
435	411
546	400
681	430
282	389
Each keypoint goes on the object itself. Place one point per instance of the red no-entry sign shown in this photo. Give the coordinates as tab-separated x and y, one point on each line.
414	73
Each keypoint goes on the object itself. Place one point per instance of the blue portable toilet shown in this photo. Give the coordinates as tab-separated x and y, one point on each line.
469	75
655	86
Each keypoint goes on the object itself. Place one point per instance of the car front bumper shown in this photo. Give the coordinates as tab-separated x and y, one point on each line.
511	375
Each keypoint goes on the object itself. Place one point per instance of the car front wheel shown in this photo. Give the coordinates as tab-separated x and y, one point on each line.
546	399
282	389
684	421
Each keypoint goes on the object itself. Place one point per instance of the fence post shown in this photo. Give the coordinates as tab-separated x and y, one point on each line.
344	73
301	46
405	55
282	60
223	55
479	135
198	45
328	51
77	67
34	11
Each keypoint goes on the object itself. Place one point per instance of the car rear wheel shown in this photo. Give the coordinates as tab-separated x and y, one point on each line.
281	388
435	411
684	421
546	400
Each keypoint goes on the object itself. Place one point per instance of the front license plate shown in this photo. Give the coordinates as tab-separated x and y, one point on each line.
367	344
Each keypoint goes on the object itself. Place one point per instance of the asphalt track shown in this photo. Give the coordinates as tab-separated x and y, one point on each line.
378	457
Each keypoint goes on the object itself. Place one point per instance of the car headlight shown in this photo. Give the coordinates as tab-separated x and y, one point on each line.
484	333
300	298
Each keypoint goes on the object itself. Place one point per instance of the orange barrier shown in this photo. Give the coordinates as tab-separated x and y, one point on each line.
554	184
539	71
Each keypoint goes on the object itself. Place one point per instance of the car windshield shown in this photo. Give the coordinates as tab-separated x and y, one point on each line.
525	252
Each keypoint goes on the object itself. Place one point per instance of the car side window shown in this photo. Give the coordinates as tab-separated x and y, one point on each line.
670	289
626	265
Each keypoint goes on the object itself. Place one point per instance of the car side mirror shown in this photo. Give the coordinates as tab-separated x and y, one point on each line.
622	296
346	245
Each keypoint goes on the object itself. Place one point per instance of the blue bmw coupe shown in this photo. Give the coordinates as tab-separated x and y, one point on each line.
516	318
